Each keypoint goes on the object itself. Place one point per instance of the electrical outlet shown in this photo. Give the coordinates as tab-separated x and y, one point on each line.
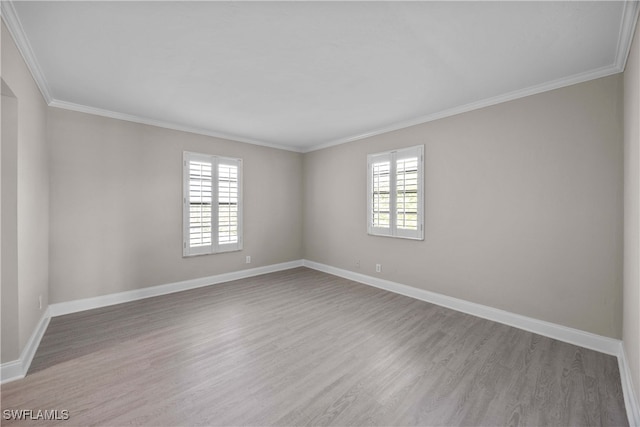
358	264
248	261
40	302
378	268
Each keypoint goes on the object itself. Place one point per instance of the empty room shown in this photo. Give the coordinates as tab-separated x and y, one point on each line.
320	213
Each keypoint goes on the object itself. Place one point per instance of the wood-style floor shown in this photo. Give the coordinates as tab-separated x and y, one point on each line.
300	347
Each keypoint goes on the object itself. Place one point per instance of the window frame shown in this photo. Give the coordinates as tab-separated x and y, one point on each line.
215	246
392	157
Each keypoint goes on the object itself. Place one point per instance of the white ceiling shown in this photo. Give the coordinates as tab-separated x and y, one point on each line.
303	75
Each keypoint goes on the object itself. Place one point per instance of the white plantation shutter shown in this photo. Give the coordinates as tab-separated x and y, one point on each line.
395	193
229	208
409	192
200	195
380	194
212	200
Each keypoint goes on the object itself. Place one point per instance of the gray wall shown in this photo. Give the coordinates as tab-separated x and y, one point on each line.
523	207
31	180
116	211
9	259
631	325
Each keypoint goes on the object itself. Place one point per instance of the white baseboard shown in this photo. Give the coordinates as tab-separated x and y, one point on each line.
17	369
630	399
561	333
11	371
75	306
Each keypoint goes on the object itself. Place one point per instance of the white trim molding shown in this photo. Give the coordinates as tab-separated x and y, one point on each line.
165	124
562	333
552	330
11	371
628	21
476	105
17	369
11	19
630	399
75	306
627	26
14	26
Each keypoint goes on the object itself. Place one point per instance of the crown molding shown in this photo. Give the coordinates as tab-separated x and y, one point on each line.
627	27
164	124
10	18
476	105
629	18
628	22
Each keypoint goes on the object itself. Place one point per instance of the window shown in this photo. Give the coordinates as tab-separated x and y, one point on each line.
395	193
212	199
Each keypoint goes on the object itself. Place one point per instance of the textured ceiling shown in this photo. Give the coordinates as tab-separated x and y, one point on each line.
303	75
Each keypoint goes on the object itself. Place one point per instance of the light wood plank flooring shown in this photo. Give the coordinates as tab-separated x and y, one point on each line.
301	347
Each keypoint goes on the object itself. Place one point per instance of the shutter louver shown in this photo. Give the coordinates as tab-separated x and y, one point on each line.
200	197
227	204
407	193
395	193
381	175
212	204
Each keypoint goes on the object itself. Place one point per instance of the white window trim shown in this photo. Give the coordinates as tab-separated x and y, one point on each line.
392	157
215	247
